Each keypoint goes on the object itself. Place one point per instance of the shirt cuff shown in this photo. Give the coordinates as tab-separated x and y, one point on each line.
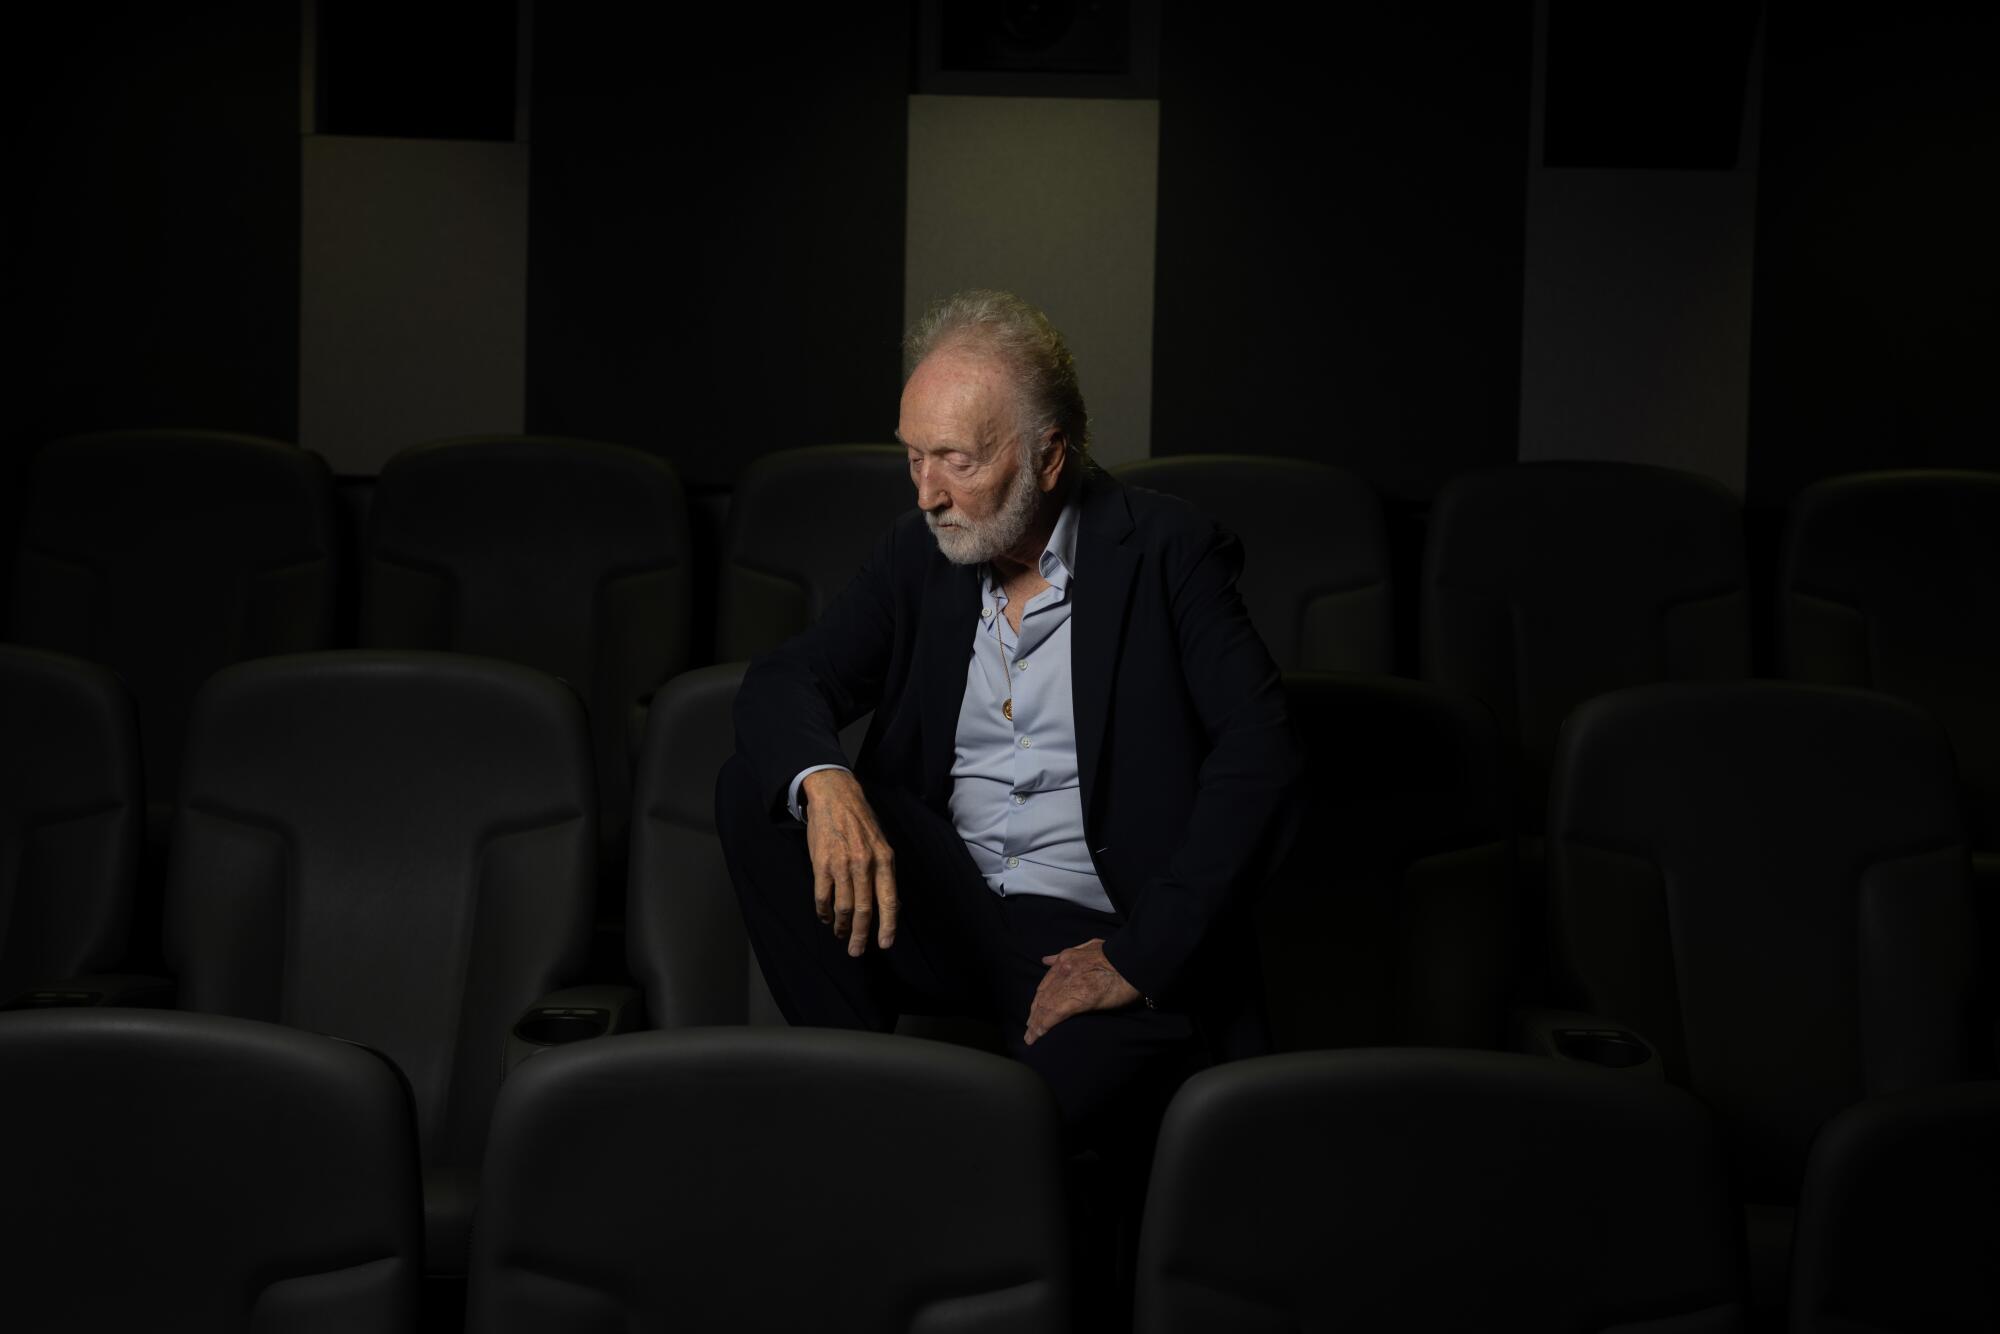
792	795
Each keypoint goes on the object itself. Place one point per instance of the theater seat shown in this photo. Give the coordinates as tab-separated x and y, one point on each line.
72	818
1438	1191
771	1179
1394	921
1891	581
189	1172
392	848
569	556
1898	1229
165	555
801	522
1547	583
1769	882
683	928
1315	552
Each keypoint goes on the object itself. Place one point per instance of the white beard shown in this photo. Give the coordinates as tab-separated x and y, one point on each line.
975	541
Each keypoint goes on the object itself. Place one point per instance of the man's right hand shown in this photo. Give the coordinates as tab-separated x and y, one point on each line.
854	872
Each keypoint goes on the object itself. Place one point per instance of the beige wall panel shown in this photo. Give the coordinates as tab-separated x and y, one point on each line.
413	294
1053	199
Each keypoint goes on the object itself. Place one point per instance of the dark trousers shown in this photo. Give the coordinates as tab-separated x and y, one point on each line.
960	949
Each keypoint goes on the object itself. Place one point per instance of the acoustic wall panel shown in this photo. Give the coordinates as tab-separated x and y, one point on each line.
1053	199
413	294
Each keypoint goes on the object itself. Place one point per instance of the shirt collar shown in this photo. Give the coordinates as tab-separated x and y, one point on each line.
1058	561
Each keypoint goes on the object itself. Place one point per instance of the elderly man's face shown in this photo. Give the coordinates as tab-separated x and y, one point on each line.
959	426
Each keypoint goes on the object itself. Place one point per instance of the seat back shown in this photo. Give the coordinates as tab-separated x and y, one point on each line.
1315	552
1891	581
748	1178
72	817
392	848
1547	583
566	555
195	1172
1768	881
684	934
1434	1190
1897	1228
801	523
1395	924
165	555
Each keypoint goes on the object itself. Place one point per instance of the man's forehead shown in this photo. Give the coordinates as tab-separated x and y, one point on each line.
955	401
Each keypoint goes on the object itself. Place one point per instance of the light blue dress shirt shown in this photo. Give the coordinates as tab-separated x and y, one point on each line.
1016	795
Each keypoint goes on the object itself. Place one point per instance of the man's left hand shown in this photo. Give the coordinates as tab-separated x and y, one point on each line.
1080	979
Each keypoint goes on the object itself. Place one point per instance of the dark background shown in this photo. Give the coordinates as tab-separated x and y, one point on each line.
717	206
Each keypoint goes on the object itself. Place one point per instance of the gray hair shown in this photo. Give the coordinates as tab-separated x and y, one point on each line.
1022	337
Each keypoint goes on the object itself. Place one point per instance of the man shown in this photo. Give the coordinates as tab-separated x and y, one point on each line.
1079	768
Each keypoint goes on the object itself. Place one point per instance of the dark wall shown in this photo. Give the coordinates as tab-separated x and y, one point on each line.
149	224
1877	332
716	228
152	222
1340	235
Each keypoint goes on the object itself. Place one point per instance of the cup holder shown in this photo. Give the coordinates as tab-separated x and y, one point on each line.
1612	1047
553	1028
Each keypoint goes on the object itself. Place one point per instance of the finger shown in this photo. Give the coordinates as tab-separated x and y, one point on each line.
1050	958
864	915
843	902
822	893
1043	1018
886	903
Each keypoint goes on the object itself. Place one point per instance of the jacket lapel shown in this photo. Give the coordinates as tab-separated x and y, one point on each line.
1106	569
944	642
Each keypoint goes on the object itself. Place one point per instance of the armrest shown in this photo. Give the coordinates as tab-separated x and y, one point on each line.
90	989
572	1015
1569	1035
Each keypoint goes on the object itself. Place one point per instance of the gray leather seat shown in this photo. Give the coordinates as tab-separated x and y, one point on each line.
1435	1190
1547	583
801	522
1315	552
1768	882
566	555
392	848
1897	1226
168	554
749	1178
683	926
1394	922
188	1172
1891	581
72	817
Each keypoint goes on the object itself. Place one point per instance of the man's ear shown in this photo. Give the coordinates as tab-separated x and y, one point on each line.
1055	457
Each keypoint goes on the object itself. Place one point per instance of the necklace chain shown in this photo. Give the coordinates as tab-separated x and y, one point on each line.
1000	639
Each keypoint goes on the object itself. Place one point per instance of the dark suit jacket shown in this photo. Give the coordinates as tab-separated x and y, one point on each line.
1189	764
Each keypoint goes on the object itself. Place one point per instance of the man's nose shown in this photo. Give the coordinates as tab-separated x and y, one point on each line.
930	495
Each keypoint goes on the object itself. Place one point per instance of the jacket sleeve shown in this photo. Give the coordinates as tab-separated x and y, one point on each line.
795	699
1245	808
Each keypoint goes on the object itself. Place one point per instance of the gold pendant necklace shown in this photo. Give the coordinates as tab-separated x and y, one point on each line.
1000	638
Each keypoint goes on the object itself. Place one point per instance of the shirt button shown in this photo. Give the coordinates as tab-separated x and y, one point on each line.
1020	800
986	613
1013	862
1027	744
1021	666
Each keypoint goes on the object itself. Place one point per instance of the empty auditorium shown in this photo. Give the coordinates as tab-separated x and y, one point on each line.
1000	667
